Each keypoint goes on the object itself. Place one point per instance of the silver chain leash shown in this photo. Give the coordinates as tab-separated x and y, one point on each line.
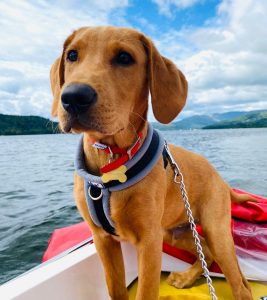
201	256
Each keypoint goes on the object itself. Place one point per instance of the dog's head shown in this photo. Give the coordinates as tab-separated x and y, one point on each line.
102	80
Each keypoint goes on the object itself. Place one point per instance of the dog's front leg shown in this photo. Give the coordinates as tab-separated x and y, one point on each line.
108	249
149	251
110	253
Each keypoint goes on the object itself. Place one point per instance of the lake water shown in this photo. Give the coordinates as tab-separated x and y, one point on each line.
36	182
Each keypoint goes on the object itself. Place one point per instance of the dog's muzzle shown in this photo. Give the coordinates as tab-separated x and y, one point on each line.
77	98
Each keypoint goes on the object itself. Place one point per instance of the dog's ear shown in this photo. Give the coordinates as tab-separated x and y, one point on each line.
57	76
168	86
55	79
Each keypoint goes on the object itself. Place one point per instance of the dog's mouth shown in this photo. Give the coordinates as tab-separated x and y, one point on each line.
80	124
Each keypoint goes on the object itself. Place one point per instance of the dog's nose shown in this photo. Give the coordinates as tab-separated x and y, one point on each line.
77	98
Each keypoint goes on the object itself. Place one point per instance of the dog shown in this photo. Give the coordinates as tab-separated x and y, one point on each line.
101	86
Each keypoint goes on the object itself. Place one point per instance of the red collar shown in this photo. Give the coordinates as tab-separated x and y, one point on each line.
126	153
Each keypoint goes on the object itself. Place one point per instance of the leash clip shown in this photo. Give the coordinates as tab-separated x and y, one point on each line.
174	166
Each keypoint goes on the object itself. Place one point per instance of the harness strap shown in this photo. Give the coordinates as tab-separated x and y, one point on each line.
98	193
101	215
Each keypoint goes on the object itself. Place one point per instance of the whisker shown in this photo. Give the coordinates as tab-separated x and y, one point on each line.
132	112
136	133
123	110
55	129
137	114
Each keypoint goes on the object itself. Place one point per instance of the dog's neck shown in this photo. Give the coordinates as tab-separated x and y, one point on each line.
96	158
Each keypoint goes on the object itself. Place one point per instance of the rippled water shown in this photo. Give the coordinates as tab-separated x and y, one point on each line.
36	181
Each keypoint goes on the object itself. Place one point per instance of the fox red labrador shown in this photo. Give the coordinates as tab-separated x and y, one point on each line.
101	86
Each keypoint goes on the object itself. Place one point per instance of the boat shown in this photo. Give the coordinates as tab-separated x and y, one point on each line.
71	268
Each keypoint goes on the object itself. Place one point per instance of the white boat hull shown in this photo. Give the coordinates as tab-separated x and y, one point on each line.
77	275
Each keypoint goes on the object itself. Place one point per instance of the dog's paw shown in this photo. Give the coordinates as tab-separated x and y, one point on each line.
181	280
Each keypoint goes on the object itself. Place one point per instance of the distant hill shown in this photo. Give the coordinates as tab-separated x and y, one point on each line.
194	122
249	120
231	115
14	125
218	121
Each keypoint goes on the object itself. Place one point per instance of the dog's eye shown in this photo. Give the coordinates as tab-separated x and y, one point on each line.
72	55
124	59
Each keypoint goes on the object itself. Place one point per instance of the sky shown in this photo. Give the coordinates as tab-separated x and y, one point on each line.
220	46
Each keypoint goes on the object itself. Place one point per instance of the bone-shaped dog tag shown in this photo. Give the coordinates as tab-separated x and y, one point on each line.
117	174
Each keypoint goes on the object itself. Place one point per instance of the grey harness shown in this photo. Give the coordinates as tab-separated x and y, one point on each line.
98	193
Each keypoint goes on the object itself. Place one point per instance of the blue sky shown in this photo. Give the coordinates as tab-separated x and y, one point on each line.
220	45
174	16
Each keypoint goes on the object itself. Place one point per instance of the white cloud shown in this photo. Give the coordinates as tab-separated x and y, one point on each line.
230	67
211	69
225	62
32	34
24	88
165	6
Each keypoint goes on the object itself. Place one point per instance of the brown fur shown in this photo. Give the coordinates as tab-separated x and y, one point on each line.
145	213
